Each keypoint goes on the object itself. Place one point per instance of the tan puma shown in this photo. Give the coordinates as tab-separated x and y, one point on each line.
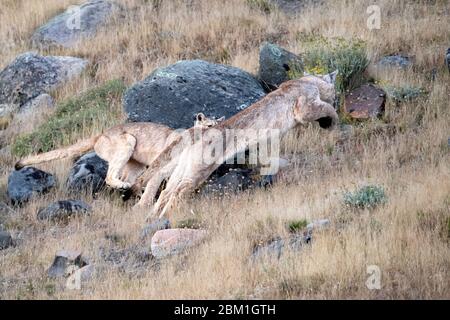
295	102
128	149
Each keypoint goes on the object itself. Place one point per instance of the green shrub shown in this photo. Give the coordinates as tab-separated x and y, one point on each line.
322	56
297	225
73	117
365	197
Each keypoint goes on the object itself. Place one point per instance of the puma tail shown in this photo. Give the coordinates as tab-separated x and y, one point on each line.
72	151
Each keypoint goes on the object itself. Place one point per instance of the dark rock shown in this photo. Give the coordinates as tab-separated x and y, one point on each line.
5	240
31	75
174	94
365	102
395	61
88	173
65	262
234	181
275	64
62	210
151	228
27	182
75	23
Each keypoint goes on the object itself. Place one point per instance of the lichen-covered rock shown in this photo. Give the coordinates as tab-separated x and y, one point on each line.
31	75
62	210
88	173
275	65
23	184
173	241
174	94
77	22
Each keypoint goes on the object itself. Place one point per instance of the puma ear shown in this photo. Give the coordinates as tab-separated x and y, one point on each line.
200	117
221	119
331	78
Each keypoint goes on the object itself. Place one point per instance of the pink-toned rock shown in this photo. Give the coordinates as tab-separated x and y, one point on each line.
172	241
365	102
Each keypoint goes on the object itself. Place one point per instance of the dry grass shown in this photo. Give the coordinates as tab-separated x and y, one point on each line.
406	152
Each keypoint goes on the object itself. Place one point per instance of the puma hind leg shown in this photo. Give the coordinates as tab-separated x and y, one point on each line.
117	153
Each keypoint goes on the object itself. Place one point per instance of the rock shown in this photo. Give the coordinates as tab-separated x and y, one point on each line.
62	210
276	247
174	94
88	173
234	181
275	64
75	23
31	75
395	61
27	182
318	224
151	228
80	276
365	102
41	102
173	241
65	263
5	240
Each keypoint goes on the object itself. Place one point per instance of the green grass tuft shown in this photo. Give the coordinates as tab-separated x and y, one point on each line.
72	118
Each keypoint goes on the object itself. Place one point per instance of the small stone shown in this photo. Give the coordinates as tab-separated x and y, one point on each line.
5	240
62	210
173	241
64	262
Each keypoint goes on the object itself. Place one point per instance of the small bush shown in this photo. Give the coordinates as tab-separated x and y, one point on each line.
366	197
73	117
297	225
322	56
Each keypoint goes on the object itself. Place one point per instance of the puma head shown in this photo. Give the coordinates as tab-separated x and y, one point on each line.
325	83
306	111
203	121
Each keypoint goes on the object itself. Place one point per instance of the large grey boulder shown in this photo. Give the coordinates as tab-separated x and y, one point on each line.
88	173
395	61
23	184
62	210
174	94
75	23
276	64
31	75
